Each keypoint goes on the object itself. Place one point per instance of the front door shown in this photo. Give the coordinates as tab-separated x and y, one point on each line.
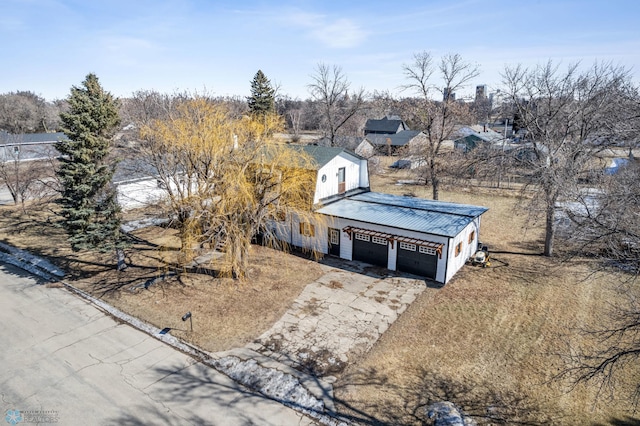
334	242
341	180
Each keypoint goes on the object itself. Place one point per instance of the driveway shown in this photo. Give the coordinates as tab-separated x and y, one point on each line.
338	317
66	362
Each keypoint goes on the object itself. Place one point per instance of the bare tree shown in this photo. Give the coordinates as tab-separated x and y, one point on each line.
608	354
330	88
569	117
224	178
26	112
22	177
438	118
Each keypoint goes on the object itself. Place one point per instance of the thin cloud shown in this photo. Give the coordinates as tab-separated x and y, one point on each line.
339	33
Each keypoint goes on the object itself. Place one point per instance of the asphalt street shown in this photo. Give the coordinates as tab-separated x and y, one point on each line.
63	361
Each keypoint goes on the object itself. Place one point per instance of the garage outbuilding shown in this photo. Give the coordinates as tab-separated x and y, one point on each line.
424	237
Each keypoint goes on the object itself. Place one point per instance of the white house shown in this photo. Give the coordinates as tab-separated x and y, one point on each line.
29	146
424	237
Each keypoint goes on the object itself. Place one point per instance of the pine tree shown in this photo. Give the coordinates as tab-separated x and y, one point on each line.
262	99
89	208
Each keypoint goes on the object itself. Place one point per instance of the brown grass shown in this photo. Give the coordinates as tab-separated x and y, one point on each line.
490	340
226	313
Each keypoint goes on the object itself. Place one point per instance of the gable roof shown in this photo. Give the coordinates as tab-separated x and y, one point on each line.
480	133
409	213
321	155
384	125
397	139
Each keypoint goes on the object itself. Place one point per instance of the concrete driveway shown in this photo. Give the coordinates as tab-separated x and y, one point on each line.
66	362
338	317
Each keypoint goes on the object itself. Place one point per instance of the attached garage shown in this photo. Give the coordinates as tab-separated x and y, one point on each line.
417	259
370	249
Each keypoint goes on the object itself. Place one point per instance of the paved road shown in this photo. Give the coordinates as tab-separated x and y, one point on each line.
66	361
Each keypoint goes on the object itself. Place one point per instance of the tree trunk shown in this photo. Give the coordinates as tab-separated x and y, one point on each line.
550	229
435	182
121	261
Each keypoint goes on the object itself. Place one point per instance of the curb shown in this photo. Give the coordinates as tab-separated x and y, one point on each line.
246	367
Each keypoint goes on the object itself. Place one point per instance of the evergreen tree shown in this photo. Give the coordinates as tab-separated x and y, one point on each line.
90	211
262	99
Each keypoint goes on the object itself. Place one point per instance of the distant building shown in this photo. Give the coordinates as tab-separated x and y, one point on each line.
481	92
448	94
385	126
29	146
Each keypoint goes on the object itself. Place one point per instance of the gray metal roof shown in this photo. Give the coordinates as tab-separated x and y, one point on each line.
25	138
398	139
410	213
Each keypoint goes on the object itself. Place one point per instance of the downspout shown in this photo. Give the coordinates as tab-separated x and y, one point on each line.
446	263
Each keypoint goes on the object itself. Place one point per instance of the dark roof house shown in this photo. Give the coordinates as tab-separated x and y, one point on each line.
385	126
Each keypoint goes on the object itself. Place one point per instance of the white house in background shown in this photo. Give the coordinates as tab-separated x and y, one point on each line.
29	146
137	184
381	144
423	237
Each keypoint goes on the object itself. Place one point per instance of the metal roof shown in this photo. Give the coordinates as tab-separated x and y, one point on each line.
397	139
26	138
410	213
321	155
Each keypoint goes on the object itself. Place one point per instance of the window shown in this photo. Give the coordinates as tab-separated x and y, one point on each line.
428	250
16	149
458	249
334	237
472	236
362	237
307	229
379	240
407	246
341	180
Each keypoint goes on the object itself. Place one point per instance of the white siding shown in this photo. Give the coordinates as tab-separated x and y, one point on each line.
468	249
319	242
353	174
364	173
281	229
346	245
364	149
393	256
140	193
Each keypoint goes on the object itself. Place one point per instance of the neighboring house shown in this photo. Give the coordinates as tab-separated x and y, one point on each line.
472	136
423	237
389	144
384	126
29	146
137	184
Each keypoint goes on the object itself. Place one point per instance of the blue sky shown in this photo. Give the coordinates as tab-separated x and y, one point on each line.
46	46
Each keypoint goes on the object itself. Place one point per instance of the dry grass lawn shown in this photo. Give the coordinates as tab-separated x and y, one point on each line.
226	313
490	340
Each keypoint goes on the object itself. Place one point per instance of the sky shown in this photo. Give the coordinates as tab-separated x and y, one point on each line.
216	47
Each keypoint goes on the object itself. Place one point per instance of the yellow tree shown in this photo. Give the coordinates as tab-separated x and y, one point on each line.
225	178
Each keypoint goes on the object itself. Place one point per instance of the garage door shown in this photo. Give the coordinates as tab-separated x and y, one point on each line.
370	249
418	260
